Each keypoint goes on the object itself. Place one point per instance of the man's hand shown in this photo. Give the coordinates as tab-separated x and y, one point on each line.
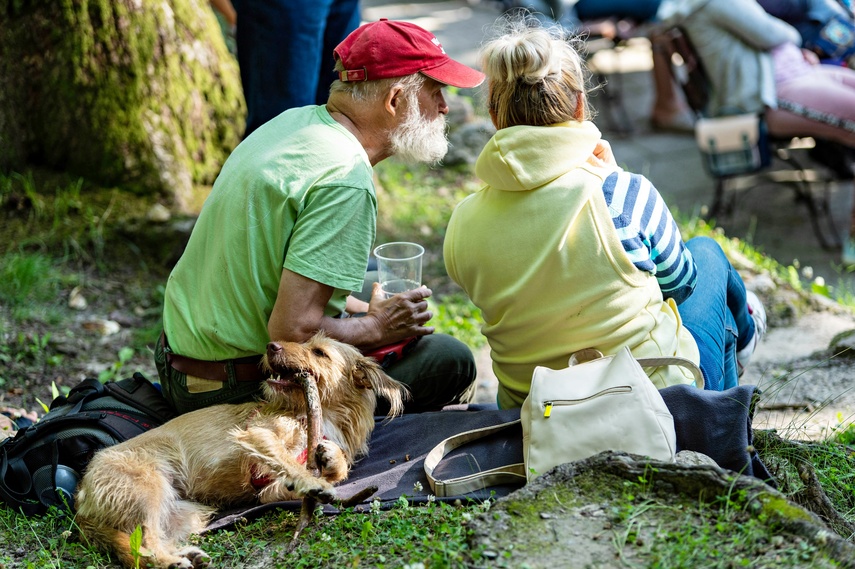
299	313
401	316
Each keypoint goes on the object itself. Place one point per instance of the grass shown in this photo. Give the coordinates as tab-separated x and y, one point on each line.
433	535
30	286
644	530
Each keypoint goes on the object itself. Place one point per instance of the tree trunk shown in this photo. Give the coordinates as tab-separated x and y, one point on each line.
137	93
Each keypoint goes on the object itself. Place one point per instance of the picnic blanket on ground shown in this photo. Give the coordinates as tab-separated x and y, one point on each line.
717	424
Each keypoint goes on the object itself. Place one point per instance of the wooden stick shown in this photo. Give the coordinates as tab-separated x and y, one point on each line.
314	435
358	498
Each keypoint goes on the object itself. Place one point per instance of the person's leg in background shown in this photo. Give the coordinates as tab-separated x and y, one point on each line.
279	47
717	314
638	10
820	103
808	106
440	370
670	112
344	17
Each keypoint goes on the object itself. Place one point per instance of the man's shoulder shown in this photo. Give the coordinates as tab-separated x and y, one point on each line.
310	121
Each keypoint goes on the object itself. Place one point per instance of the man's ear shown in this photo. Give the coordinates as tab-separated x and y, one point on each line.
395	100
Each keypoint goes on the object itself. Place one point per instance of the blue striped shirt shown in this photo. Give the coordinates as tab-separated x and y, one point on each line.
649	233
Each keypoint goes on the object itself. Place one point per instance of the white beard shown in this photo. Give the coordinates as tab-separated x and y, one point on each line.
417	139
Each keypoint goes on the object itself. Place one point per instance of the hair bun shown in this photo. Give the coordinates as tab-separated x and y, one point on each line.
535	74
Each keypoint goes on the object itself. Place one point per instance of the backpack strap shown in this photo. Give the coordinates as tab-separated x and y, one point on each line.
138	392
86	390
27	506
684	363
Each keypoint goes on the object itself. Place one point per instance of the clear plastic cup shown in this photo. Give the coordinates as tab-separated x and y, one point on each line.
399	267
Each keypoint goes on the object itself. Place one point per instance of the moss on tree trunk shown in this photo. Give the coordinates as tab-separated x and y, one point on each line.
137	93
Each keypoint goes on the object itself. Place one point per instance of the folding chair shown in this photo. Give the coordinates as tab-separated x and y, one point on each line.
792	153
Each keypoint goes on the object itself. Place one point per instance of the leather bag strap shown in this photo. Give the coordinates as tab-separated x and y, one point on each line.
675	361
506	474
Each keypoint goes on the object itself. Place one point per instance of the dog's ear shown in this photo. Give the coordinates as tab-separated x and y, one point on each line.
368	374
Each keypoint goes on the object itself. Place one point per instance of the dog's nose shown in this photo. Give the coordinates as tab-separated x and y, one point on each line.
274	347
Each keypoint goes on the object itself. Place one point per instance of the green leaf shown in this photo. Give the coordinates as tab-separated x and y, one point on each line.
125	354
45	407
136	544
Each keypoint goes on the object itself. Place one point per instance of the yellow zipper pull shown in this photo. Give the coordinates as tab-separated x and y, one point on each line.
547	411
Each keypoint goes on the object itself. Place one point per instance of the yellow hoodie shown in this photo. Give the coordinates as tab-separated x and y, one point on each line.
537	252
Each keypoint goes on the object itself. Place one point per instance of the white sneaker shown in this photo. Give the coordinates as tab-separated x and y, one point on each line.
758	313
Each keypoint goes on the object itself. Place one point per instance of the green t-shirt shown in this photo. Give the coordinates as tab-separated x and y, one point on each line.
298	193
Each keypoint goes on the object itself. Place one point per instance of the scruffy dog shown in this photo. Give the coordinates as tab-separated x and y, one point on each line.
171	479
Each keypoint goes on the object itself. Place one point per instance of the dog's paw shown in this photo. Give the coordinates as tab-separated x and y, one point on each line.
331	461
323	495
192	558
315	488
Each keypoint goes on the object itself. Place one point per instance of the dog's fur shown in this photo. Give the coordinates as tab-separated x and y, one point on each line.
172	479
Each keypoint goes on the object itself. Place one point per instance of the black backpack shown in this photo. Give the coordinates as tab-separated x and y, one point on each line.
41	465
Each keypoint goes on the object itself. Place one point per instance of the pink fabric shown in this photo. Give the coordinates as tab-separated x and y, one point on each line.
789	63
825	89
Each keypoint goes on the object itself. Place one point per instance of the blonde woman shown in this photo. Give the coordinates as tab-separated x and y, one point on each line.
562	250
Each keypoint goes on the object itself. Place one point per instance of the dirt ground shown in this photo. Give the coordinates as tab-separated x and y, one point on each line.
79	333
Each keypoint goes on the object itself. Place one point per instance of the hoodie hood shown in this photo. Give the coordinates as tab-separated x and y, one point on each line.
522	158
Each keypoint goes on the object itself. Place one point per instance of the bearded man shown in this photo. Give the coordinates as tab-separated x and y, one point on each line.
285	235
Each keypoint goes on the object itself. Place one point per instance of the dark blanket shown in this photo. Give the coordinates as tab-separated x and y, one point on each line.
717	424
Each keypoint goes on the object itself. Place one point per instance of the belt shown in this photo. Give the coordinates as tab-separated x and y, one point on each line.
245	369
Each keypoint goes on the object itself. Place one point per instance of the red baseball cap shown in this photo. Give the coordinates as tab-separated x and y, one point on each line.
386	49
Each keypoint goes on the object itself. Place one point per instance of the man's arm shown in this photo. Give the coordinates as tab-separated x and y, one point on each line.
299	312
749	22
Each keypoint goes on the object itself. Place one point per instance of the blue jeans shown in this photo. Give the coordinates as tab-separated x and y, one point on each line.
640	10
716	314
285	52
809	17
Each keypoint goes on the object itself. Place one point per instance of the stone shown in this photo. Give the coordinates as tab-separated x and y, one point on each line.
467	141
694	458
617	510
